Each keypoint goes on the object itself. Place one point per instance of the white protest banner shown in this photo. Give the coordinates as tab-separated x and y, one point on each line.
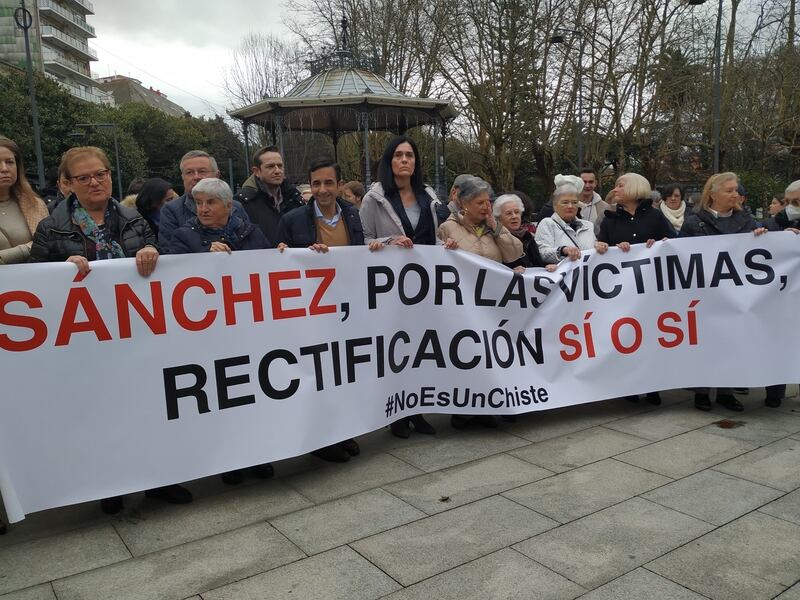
116	383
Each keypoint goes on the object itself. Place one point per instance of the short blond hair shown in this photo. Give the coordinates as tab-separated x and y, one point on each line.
636	187
712	186
74	154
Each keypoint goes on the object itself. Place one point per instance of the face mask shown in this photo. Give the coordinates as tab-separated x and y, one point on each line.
793	212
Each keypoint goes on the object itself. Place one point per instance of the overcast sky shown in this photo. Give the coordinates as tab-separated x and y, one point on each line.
181	48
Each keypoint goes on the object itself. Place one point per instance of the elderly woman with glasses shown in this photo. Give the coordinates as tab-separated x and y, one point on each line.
215	228
564	235
88	226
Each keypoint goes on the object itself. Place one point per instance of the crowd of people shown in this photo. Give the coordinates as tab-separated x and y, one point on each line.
77	220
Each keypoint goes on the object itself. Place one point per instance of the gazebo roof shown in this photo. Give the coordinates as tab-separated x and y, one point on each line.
333	100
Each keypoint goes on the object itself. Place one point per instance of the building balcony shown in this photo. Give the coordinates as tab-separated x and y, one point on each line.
49	10
97	97
60	63
61	40
82	6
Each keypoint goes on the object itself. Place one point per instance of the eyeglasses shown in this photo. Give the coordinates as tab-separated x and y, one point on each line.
99	177
568	202
193	172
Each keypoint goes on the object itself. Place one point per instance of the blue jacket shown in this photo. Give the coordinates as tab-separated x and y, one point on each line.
180	211
298	227
238	235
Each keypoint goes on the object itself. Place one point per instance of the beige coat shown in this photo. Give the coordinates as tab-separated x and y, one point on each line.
15	246
499	245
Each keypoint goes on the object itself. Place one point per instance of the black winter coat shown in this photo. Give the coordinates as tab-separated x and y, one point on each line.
260	206
647	223
298	229
194	237
180	211
705	223
780	222
531	256
57	237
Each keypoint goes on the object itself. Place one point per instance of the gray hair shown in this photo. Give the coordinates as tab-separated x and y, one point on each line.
564	189
460	179
214	188
199	154
471	188
793	187
506	199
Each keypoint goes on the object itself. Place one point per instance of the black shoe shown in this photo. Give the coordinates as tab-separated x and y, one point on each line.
702	402
510	418
334	453
3	527
171	494
234	477
400	429
265	471
773	402
654	398
351	447
489	421
421	425
729	402
741	391
459	421
111	506
633	399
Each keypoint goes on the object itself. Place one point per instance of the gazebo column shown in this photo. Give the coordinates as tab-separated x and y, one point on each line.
437	172
335	140
279	133
246	132
443	156
365	126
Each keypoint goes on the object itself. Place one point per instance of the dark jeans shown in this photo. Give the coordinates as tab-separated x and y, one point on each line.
776	392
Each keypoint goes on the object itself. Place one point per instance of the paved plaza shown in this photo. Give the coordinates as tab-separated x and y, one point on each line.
604	501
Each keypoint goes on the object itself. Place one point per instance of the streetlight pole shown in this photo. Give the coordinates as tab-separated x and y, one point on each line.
559	38
24	20
113	127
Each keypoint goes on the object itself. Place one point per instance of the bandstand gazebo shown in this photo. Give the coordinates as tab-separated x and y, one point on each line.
344	96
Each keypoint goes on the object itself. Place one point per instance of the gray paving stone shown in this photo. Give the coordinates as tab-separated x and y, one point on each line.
641	584
775	465
339	574
793	593
713	497
582	491
667	422
155	527
466	483
30	563
455	450
178	572
360	474
752	558
685	454
48	523
578	449
503	575
787	508
342	521
40	592
430	546
602	546
761	427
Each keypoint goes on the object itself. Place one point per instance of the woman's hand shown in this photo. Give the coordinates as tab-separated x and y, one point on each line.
760	231
520	269
550	268
649	243
376	245
83	264
624	246
571	252
601	247
451	244
146	259
220	247
321	248
793	230
282	246
491	223
405	242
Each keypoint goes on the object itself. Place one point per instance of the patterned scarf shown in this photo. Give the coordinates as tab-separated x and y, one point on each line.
105	245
